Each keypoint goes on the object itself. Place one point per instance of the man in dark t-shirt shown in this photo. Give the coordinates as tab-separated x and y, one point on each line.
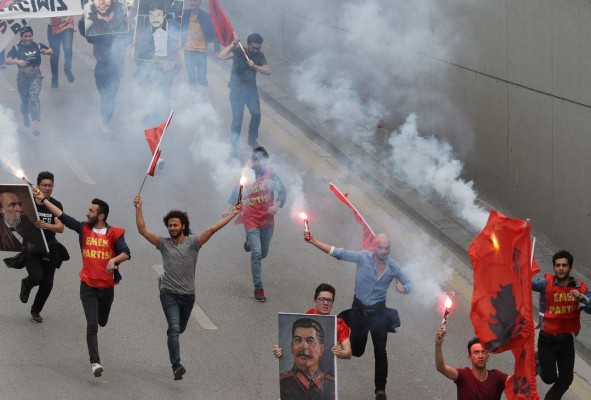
476	382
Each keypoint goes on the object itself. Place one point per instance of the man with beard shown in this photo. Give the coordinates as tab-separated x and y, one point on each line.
306	380
179	260
562	297
16	230
104	17
476	382
258	216
103	250
243	87
375	270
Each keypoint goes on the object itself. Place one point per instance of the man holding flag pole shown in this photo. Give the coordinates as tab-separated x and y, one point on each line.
243	87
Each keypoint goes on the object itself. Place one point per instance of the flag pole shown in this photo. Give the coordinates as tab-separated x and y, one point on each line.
156	150
243	51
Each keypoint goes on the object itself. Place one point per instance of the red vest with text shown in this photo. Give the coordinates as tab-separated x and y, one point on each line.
257	200
562	314
97	250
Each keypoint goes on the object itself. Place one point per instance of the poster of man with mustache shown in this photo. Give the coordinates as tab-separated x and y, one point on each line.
308	370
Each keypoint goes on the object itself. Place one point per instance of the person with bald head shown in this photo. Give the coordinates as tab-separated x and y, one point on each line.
375	271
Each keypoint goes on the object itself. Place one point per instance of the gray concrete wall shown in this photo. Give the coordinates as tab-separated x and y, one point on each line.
514	74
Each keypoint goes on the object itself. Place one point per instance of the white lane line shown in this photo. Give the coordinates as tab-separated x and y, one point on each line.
197	313
6	84
73	163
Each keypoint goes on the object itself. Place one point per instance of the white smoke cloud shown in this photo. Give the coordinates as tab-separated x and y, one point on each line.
9	154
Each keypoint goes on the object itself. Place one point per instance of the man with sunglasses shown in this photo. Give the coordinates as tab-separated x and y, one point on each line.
375	271
323	302
562	297
243	86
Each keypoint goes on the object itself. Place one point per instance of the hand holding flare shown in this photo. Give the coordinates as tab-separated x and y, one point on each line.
21	174
242	183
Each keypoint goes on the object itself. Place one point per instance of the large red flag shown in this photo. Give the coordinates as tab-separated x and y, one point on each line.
221	24
501	310
367	236
153	136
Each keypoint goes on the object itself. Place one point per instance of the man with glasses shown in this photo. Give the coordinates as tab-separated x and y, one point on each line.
561	299
475	382
375	270
243	86
41	266
323	302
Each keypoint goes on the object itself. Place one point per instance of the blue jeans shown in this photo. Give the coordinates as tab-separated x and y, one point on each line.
241	97
196	60
259	240
56	42
177	310
107	78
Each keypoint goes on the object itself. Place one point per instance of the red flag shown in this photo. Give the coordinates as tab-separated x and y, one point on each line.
153	136
501	310
367	236
221	24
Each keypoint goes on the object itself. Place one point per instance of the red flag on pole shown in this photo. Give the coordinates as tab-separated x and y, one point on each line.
501	310
368	235
221	24
154	137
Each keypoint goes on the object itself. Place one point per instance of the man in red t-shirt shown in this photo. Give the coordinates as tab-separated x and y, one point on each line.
475	383
323	301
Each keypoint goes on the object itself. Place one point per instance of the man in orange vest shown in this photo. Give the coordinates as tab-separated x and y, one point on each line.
103	250
561	299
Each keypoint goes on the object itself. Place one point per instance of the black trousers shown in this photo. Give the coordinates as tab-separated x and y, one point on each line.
557	362
371	320
97	306
41	270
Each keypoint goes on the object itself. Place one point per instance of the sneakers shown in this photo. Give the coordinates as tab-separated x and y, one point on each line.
179	372
36	317
259	295
381	395
25	291
97	369
246	246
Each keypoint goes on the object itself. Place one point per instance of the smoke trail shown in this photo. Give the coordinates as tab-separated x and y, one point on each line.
9	154
427	165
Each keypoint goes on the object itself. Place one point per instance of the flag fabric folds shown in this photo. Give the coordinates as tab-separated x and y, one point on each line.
502	311
153	136
367	235
221	24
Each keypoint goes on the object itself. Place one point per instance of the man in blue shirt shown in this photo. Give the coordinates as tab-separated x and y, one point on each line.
375	270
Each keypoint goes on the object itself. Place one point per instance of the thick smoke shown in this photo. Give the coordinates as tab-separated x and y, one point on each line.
8	139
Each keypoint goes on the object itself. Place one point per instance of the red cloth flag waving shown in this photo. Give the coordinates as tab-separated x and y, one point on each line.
367	236
501	310
154	137
221	24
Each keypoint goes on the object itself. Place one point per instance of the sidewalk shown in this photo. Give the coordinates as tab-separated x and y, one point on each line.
432	213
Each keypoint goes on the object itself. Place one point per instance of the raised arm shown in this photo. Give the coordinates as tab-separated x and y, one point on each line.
226	52
447	370
204	236
141	225
322	246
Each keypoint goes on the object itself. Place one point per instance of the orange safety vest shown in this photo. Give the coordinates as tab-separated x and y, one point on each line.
562	314
97	250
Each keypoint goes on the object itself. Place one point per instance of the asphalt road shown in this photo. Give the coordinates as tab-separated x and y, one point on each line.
226	348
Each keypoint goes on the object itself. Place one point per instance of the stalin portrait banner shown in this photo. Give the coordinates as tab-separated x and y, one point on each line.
307	367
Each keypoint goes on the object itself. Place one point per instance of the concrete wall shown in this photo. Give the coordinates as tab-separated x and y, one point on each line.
517	72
